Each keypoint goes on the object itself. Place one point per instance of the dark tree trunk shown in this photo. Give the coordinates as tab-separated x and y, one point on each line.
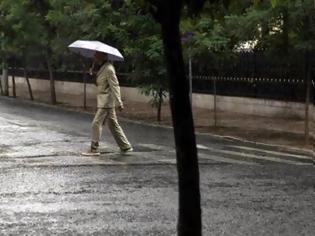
13	86
307	22
86	76
5	86
159	108
84	89
189	221
215	112
43	8
1	89
28	83
52	82
26	76
13	80
308	71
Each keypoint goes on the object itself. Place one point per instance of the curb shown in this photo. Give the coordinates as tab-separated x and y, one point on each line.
224	137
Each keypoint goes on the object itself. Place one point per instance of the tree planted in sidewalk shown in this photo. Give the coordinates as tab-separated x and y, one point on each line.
41	9
21	31
143	48
4	40
168	15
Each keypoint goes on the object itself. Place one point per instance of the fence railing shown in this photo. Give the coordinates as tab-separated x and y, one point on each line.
284	89
292	89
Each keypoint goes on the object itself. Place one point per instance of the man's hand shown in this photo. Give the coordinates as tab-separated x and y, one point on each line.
91	71
92	68
121	107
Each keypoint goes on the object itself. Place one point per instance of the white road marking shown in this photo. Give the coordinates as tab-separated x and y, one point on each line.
245	155
154	146
226	160
272	152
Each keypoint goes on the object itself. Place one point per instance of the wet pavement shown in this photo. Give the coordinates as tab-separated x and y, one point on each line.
47	187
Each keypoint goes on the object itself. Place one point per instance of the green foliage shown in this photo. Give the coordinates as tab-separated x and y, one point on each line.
211	42
277	25
144	50
21	28
280	26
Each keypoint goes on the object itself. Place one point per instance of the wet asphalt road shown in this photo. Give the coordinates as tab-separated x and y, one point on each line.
47	188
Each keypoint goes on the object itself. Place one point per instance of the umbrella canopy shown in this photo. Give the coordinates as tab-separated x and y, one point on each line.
88	48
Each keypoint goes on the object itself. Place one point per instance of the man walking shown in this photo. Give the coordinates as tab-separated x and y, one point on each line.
108	98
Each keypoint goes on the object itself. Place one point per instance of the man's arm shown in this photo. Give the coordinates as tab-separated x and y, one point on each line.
114	86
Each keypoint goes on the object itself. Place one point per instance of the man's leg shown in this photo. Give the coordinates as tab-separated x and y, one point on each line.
97	126
117	131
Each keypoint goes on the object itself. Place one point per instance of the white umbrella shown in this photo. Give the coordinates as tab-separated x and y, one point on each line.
88	48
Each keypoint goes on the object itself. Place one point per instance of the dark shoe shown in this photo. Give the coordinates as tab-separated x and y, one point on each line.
124	151
91	152
94	145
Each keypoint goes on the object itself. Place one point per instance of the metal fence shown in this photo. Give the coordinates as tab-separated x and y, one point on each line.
257	75
267	88
251	74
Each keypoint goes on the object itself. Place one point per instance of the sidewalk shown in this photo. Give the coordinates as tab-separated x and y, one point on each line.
275	131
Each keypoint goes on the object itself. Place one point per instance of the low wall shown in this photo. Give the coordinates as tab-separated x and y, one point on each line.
253	106
261	107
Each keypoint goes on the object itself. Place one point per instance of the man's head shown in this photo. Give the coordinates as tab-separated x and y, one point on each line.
100	57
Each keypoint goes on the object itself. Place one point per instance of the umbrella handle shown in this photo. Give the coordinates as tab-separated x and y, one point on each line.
91	68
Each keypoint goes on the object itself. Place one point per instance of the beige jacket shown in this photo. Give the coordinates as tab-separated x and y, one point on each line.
108	90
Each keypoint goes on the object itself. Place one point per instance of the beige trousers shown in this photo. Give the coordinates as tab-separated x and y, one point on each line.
108	115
